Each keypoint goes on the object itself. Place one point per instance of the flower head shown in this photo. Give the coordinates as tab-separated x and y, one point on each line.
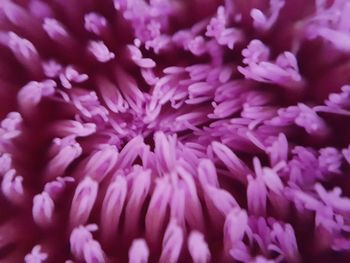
174	131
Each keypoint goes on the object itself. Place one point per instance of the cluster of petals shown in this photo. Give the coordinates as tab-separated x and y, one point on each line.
174	131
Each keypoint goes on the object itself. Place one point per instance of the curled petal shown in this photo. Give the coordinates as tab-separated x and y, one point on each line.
100	51
10	127
36	255
137	195
155	216
130	151
12	187
222	200
79	237
95	23
112	96
138	252
25	52
236	224
256	195
198	248
165	151
172	244
70	127
207	173
272	180
83	201
177	204
43	207
58	33
5	163
65	151
232	162
93	252
55	188
100	163
31	94
112	207
194	213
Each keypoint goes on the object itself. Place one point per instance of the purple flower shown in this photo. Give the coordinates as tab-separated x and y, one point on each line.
174	131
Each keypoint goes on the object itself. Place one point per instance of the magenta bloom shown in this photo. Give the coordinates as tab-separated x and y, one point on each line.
204	131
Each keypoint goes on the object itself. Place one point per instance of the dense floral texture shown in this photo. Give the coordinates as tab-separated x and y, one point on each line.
174	131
